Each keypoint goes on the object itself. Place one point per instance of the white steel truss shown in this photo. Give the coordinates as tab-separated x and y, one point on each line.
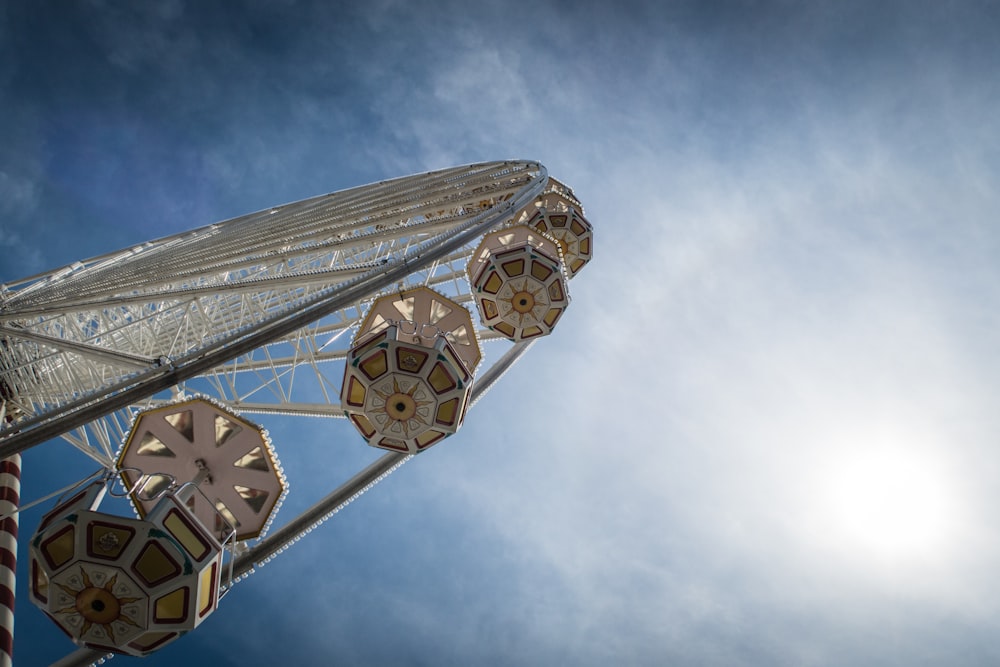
229	306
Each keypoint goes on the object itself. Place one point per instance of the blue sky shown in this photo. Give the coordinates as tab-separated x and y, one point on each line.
764	433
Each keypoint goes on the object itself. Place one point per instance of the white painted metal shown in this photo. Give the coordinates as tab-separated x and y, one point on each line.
94	326
251	311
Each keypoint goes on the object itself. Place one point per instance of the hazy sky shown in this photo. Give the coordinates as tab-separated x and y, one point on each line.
766	430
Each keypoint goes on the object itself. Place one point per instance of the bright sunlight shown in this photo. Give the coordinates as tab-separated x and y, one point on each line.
892	504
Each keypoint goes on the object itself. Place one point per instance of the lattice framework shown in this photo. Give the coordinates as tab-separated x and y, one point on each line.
98	323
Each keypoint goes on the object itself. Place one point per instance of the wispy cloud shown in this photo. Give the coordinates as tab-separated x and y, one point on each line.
795	268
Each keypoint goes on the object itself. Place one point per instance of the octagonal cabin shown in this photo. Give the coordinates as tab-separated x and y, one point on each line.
241	480
558	213
518	282
119	584
408	376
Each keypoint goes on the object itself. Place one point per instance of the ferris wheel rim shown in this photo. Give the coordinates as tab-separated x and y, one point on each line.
168	372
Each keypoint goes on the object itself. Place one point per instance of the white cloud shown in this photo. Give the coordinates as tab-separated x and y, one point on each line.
18	201
737	335
783	281
141	36
18	195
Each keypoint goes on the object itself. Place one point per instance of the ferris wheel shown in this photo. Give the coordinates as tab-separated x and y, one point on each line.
371	304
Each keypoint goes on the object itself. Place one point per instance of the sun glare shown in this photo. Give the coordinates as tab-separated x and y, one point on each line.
892	505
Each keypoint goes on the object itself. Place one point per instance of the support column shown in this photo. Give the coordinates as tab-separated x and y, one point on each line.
10	498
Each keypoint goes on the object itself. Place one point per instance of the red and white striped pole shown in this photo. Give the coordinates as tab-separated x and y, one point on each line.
10	498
